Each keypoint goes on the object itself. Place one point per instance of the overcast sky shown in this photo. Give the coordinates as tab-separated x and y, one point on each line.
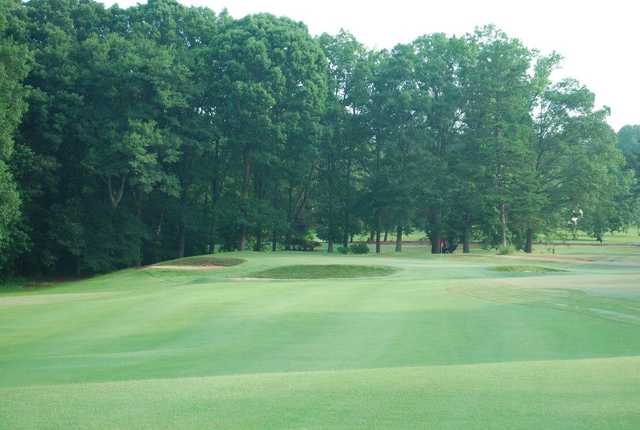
598	39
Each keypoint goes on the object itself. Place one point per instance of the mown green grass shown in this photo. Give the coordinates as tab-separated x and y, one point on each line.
324	271
443	342
525	269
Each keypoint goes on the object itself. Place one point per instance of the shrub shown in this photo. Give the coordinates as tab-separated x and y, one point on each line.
359	248
343	250
506	250
301	244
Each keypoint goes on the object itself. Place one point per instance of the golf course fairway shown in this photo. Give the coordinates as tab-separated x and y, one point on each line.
410	341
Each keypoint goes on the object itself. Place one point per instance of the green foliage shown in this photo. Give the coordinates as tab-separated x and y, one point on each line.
506	250
359	248
162	131
9	213
629	141
629	144
15	61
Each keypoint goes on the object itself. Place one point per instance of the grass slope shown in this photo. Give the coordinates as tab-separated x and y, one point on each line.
324	271
205	260
443	342
525	269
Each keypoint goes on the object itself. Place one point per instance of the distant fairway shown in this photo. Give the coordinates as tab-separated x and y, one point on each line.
438	342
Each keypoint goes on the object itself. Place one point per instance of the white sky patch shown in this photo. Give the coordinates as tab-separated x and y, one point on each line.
598	39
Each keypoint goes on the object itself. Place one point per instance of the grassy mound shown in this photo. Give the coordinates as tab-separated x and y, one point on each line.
524	269
204	261
314	271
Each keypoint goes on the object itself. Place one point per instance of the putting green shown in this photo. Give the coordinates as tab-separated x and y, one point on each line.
443	342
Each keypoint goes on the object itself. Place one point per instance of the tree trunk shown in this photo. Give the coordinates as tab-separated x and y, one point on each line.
347	207
116	197
78	269
466	237
399	239
371	235
216	185
503	224
378	233
330	185
287	240
345	235
139	216
436	232
386	235
274	240
331	232
212	237
243	237
528	246
244	196
287	237
258	246
181	225
181	240
213	213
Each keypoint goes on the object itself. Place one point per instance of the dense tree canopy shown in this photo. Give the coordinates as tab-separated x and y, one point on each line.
128	136
14	65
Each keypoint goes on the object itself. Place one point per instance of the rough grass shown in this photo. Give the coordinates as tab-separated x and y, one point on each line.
525	269
327	271
444	343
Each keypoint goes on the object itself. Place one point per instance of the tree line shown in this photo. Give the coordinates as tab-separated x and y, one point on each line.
130	136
